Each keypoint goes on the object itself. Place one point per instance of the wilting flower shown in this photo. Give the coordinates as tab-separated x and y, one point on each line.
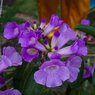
29	53
52	73
9	58
54	22
73	64
88	71
10	92
11	30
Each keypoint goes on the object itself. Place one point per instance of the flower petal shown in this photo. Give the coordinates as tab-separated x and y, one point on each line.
73	74
79	47
11	30
65	51
65	36
40	77
42	24
54	21
53	80
10	92
87	72
13	56
16	59
28	39
74	61
64	73
8	51
4	63
40	47
55	39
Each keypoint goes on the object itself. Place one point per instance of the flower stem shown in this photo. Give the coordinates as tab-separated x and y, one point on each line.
8	81
68	90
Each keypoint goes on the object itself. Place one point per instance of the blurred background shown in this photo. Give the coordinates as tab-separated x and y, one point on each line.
32	9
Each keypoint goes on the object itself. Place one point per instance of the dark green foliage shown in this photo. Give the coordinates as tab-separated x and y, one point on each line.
87	29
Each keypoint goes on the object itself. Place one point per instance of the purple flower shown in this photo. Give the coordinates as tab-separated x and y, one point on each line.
28	39
52	73
54	22
24	28
43	23
9	58
60	39
88	71
85	22
10	92
78	48
11	30
73	64
29	53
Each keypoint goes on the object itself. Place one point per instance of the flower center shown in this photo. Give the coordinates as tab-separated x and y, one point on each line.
31	51
52	68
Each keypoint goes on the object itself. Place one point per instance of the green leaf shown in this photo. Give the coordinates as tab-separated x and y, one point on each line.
87	29
91	16
24	81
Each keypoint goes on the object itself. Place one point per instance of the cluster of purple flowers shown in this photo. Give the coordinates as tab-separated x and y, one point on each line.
34	42
10	57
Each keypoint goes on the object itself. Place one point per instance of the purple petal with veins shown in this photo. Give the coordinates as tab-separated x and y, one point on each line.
52	73
73	63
